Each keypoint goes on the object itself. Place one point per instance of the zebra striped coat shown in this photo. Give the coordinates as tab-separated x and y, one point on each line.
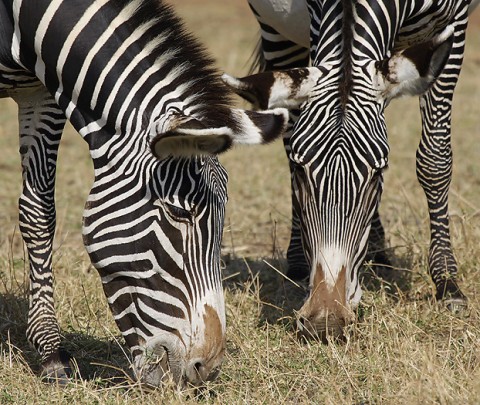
139	89
364	53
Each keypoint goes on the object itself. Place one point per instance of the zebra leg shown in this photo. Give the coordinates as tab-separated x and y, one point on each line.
298	268
41	123
434	172
289	296
278	53
376	248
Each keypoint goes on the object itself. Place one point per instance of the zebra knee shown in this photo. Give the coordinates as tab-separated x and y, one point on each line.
37	226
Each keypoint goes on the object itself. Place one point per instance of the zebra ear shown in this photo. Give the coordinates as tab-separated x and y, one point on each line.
285	88
189	137
192	138
413	70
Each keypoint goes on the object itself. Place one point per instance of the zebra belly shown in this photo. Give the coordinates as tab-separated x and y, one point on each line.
12	76
288	17
16	82
6	34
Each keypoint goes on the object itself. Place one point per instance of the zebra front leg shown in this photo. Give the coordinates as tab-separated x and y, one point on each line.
294	289
298	268
41	123
376	252
280	53
434	172
291	295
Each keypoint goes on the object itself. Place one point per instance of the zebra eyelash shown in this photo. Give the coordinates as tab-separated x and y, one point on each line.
179	214
378	173
299	171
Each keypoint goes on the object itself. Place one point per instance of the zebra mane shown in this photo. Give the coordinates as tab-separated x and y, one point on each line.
347	34
257	61
204	84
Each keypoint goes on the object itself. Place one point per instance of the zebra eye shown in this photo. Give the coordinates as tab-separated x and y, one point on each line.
179	214
377	175
299	172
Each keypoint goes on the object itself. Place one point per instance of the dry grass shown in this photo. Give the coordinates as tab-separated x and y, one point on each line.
404	348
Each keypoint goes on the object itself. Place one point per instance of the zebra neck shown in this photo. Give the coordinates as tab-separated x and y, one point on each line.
111	64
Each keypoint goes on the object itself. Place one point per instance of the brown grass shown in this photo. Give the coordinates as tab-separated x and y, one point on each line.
402	349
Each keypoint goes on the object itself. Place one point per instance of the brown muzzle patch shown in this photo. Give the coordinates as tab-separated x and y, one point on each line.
214	337
325	312
208	356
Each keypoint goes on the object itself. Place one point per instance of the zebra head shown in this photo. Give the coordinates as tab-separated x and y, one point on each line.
154	234
339	151
156	114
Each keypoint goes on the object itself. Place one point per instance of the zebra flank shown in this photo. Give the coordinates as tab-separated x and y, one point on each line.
146	97
363	54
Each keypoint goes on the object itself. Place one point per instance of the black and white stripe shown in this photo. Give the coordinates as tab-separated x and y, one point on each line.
366	53
139	89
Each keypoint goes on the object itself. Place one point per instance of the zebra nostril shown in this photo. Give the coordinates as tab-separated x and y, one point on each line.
202	371
301	322
198	372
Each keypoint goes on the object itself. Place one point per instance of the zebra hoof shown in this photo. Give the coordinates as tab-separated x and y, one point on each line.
56	369
450	295
456	306
382	266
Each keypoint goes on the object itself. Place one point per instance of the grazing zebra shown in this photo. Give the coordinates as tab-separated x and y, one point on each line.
364	53
138	88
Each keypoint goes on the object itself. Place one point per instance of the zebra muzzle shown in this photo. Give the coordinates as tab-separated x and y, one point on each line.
321	328
153	368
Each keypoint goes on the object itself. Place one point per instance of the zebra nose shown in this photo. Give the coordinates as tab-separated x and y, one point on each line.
319	328
199	371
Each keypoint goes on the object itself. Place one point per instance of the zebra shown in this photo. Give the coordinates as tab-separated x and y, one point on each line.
363	54
147	99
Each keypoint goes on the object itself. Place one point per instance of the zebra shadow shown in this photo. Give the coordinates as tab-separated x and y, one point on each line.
265	280
281	297
387	271
102	361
